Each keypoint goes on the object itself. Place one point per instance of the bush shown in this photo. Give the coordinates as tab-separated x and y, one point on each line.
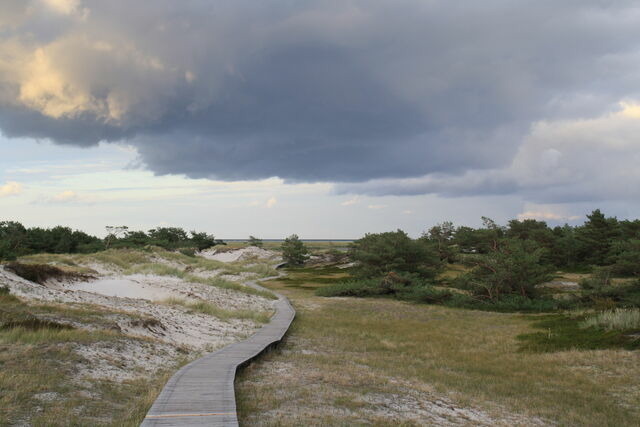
624	295
600	279
190	252
378	254
405	287
254	241
353	288
626	260
426	294
512	268
294	252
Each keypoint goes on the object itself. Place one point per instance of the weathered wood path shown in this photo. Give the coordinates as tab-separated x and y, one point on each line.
202	392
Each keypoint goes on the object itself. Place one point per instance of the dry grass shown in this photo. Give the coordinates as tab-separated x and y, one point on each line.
129	261
619	319
220	313
344	354
39	363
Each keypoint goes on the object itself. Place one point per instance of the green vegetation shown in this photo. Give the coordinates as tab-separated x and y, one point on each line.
379	361
254	241
17	240
514	267
294	252
378	254
562	333
499	268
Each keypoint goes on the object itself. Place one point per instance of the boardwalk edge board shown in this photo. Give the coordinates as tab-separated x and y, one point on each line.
202	392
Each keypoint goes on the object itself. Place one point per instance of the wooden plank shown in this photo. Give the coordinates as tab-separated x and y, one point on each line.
202	392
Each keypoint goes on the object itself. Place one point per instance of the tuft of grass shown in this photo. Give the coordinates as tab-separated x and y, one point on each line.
226	284
52	335
120	258
220	313
156	269
619	319
167	270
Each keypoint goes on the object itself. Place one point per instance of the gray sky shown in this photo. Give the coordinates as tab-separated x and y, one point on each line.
325	118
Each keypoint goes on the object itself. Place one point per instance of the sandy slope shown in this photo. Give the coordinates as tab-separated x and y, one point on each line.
171	330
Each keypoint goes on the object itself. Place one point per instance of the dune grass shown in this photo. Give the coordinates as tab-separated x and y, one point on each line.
619	319
220	313
119	258
39	363
129	261
354	361
216	281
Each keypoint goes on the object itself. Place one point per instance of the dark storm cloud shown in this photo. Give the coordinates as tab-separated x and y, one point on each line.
340	91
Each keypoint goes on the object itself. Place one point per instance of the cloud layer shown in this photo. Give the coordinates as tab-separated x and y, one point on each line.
402	97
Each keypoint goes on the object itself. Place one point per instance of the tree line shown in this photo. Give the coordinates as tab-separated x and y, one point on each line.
17	240
500	262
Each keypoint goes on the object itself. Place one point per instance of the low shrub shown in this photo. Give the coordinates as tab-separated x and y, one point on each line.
426	294
620	296
353	288
402	286
190	252
600	279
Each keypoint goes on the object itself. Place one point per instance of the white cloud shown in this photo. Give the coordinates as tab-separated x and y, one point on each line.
65	196
271	202
376	207
546	216
408	212
351	201
11	188
67	7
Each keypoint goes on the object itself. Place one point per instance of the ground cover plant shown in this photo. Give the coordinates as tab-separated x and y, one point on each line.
380	361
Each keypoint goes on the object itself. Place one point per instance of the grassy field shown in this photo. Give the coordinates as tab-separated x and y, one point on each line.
378	361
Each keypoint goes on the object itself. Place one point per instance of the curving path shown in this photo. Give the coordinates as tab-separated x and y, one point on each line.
202	392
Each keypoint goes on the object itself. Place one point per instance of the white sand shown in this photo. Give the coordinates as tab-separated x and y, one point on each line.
172	329
238	254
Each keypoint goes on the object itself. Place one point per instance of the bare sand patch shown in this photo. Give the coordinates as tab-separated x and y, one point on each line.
250	252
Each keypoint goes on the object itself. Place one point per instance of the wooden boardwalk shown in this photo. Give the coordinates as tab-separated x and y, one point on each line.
202	392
